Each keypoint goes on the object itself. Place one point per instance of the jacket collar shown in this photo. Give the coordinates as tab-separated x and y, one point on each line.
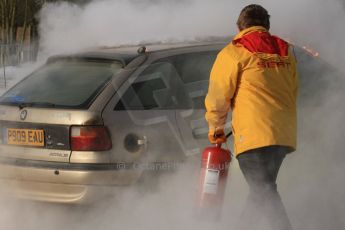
250	30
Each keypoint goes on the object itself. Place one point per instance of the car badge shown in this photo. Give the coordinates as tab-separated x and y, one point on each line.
23	115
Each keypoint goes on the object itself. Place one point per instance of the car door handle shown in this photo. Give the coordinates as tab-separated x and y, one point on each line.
200	133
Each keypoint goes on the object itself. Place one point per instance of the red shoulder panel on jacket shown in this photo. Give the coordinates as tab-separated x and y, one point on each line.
263	42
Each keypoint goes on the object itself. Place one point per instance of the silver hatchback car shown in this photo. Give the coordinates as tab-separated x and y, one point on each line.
100	119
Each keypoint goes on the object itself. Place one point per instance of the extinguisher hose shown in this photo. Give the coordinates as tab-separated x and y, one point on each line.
229	134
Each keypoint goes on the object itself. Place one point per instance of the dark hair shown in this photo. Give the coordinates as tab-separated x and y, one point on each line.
253	15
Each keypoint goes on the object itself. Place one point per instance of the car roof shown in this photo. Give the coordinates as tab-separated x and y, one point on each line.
125	54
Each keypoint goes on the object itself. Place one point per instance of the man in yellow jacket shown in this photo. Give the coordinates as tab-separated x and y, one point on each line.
255	76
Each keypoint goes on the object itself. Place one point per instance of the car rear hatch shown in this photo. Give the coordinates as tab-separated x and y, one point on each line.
38	115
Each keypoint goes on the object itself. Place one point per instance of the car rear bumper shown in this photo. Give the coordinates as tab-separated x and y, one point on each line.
59	184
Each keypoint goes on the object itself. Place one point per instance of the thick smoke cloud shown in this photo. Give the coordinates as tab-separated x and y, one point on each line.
311	180
113	23
67	28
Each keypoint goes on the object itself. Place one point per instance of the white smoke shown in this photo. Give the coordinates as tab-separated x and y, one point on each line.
13	74
310	181
67	28
113	23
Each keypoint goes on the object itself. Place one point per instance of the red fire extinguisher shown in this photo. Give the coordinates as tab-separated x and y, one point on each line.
215	162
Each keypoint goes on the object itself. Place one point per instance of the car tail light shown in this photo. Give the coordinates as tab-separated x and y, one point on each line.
90	138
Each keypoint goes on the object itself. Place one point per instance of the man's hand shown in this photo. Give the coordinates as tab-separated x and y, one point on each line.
217	137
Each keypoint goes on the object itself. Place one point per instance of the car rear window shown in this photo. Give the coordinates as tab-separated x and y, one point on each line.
64	83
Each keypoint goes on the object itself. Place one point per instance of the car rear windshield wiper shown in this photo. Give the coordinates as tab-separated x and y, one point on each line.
35	104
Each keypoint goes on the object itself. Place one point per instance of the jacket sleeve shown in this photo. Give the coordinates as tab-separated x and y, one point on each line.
222	86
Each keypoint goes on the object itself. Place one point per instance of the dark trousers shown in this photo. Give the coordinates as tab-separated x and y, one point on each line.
260	168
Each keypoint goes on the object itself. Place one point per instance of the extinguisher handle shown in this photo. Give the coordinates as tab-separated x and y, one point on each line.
219	145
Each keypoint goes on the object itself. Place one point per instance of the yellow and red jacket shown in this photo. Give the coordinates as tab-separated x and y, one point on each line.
256	76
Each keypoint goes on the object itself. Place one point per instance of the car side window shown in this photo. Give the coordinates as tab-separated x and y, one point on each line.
175	82
194	70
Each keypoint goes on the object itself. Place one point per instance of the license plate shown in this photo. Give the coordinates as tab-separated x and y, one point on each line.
29	137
